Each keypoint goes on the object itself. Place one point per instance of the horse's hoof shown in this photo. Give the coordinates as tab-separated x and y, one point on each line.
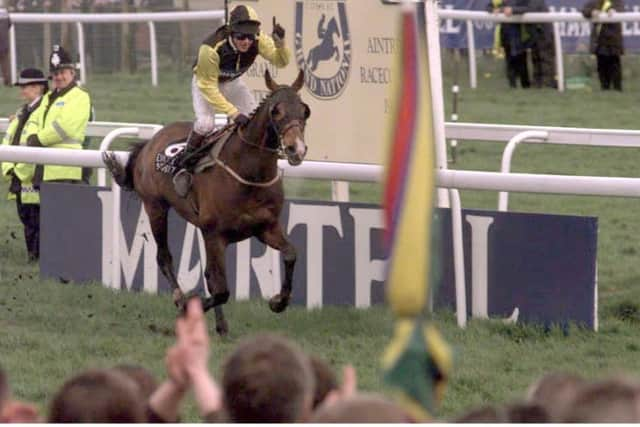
178	298
278	303
222	328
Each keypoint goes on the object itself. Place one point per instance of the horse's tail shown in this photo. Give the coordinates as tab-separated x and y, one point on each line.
123	175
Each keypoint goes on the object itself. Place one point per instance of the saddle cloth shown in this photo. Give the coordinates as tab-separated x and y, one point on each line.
169	160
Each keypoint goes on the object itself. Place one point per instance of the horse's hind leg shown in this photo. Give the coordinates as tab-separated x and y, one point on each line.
215	276
275	238
158	213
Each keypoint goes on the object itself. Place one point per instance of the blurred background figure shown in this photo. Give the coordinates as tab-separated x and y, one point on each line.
5	23
606	42
514	39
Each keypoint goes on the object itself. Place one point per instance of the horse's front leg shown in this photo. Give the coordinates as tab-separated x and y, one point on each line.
216	279
274	237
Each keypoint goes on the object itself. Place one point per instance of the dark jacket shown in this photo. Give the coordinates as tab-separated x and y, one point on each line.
515	38
606	39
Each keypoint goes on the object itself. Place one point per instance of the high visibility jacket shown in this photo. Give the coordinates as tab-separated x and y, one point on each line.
219	61
24	171
63	119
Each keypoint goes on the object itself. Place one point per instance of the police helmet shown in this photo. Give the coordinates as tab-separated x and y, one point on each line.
60	59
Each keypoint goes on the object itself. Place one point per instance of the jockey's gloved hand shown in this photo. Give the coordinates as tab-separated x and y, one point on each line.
240	119
34	141
278	33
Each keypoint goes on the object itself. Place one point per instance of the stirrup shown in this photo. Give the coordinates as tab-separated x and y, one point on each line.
182	182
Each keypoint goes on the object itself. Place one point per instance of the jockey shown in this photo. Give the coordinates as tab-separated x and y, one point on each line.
216	86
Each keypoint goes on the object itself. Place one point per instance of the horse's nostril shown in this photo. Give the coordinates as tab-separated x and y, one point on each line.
290	149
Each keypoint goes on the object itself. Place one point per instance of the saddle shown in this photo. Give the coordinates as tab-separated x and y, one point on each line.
172	158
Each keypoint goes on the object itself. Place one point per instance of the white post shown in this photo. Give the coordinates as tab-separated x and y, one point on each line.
507	154
458	258
557	41
471	47
83	66
437	98
340	191
12	46
115	236
154	53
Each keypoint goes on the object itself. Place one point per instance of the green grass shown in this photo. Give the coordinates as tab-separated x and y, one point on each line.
50	330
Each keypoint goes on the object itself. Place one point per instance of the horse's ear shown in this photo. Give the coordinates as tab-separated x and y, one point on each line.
297	85
269	81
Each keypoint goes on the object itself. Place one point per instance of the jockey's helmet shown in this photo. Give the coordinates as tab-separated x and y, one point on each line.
244	19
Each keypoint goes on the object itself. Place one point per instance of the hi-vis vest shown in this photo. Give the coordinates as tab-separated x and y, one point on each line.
63	120
24	171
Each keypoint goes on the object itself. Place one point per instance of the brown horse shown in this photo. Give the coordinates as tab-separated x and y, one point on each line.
239	197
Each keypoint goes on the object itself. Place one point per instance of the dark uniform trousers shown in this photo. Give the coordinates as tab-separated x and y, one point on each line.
29	214
517	68
609	71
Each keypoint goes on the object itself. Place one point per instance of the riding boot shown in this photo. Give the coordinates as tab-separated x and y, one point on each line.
182	179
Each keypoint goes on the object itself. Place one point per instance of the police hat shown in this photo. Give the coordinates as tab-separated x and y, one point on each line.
243	19
30	76
60	59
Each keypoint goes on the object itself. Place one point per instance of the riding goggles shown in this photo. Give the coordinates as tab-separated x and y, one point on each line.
244	36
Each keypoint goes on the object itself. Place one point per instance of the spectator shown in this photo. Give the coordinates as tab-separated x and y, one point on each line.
555	391
5	23
516	412
267	379
13	411
144	379
98	396
361	408
325	379
515	39
33	85
542	45
187	365
614	400
65	113
606	42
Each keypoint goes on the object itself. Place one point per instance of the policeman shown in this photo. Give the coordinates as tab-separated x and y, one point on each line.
216	87
33	85
63	122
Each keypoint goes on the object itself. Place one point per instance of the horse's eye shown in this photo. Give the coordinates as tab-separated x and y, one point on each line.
307	111
276	112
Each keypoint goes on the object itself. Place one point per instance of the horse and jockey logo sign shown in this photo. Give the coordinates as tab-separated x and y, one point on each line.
326	55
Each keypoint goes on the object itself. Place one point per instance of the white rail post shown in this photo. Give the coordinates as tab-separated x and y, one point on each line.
340	191
12	47
115	236
557	40
471	47
153	46
458	257
503	196
437	98
81	52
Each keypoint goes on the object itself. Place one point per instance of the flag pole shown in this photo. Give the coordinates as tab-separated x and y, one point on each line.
435	72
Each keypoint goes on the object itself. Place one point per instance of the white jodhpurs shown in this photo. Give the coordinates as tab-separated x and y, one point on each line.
236	92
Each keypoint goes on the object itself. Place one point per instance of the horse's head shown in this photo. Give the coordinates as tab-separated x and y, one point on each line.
288	116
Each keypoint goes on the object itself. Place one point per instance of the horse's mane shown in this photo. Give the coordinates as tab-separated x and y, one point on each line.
267	98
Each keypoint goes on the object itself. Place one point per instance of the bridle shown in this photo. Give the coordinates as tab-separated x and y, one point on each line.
280	150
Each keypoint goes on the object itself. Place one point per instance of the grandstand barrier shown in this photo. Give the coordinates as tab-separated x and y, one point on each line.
548	184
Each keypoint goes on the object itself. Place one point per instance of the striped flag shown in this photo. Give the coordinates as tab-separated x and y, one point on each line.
417	360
